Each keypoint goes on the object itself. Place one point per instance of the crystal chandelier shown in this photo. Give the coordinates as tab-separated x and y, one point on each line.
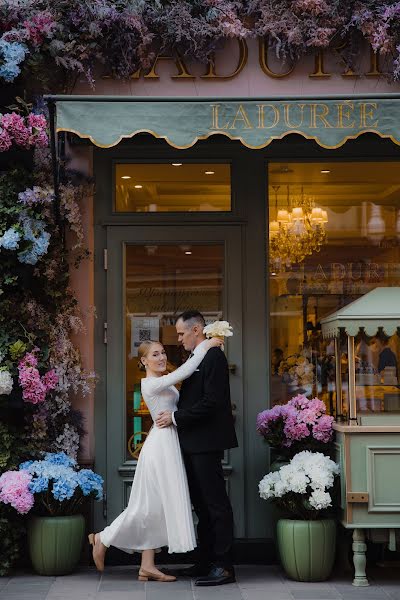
296	232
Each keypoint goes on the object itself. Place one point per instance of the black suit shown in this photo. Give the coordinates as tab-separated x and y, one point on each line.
205	428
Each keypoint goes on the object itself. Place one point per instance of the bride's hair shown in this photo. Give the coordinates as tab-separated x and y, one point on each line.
143	351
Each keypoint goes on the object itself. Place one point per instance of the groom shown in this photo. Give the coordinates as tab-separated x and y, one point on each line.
205	428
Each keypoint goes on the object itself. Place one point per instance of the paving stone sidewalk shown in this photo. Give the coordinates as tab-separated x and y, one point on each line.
253	583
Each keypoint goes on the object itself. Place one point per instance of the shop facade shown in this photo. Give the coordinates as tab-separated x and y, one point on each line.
193	220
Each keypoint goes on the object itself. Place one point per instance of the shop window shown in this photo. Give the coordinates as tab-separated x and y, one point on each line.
334	235
172	187
161	282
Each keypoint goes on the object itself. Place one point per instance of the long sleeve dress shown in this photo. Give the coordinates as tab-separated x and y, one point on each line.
159	510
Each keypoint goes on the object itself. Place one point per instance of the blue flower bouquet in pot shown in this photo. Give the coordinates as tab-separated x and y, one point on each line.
53	491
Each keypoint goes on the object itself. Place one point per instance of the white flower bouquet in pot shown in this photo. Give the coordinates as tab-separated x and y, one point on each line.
300	488
307	538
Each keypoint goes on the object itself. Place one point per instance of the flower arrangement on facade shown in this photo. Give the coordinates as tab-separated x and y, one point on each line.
25	132
297	370
301	487
56	37
54	486
299	424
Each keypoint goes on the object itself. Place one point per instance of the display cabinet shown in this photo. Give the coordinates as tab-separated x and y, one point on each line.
367	411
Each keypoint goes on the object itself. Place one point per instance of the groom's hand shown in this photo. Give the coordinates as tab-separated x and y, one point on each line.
164	419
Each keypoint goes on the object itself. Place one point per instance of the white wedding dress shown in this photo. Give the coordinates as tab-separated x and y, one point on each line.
159	510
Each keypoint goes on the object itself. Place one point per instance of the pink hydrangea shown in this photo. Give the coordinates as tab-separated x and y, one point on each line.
14	124
323	429
35	387
5	141
50	380
39	26
14	490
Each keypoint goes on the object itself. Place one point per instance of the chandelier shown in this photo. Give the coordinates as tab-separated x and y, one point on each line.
296	232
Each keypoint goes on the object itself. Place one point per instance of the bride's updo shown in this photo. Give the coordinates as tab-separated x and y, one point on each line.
143	351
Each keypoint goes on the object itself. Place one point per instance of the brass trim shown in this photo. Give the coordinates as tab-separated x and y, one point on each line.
231	137
137	447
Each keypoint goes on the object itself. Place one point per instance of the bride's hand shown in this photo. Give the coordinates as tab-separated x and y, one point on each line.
214	342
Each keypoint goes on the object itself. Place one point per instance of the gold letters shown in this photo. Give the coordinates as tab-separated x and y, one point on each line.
242	61
368	113
215	118
241	116
263	58
286	110
344	111
261	116
183	73
316	115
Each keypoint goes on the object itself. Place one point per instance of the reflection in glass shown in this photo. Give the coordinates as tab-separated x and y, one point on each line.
360	203
172	187
162	281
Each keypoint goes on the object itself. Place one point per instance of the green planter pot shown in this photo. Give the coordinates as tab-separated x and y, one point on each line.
307	548
55	543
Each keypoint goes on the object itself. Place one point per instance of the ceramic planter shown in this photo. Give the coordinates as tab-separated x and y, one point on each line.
307	548
55	543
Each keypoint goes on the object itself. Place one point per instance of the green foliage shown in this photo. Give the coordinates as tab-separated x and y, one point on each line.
11	533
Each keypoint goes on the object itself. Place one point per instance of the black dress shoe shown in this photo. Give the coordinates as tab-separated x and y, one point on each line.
197	570
217	576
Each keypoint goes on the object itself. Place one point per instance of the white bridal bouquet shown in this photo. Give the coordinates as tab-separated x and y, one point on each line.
300	487
219	329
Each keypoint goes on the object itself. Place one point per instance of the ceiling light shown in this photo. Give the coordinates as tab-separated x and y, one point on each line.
325	171
176	164
209	172
273	273
138	186
126	177
188	252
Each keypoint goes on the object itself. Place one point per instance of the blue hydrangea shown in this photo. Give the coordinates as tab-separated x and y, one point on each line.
90	482
40	484
64	489
13	53
59	458
10	239
24	466
33	231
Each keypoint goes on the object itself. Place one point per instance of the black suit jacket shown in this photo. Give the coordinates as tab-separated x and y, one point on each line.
204	416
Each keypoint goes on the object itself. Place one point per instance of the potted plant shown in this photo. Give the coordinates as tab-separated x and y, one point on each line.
306	536
301	424
53	491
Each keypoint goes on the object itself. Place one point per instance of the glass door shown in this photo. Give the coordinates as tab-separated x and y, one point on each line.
153	275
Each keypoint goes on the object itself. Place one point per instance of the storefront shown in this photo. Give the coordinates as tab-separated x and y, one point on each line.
182	222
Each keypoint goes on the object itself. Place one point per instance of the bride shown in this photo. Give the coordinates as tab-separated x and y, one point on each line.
159	509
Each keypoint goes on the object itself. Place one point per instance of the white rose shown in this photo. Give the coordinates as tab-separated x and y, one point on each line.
218	328
6	383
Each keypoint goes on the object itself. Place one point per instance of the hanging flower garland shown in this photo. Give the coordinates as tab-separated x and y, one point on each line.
57	38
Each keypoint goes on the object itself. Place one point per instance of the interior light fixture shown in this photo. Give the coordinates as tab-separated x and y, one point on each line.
209	172
325	171
126	177
188	252
176	164
273	273
138	186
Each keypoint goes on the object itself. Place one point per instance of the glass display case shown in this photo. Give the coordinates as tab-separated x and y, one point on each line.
367	398
367	351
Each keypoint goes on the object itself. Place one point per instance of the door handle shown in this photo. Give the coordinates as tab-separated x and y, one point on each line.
233	408
232	368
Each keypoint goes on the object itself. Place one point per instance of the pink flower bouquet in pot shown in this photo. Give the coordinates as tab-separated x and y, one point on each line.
301	424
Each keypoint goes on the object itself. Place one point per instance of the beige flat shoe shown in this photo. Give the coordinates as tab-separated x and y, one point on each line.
98	557
146	576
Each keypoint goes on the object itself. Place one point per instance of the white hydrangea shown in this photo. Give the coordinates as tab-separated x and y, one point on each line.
307	471
6	383
218	329
320	500
68	441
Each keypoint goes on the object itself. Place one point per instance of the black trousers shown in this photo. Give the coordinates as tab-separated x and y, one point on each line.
212	507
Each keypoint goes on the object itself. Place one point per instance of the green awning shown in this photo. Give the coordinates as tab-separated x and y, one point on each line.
378	308
330	121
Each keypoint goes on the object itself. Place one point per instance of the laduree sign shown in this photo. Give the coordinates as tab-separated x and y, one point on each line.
256	123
